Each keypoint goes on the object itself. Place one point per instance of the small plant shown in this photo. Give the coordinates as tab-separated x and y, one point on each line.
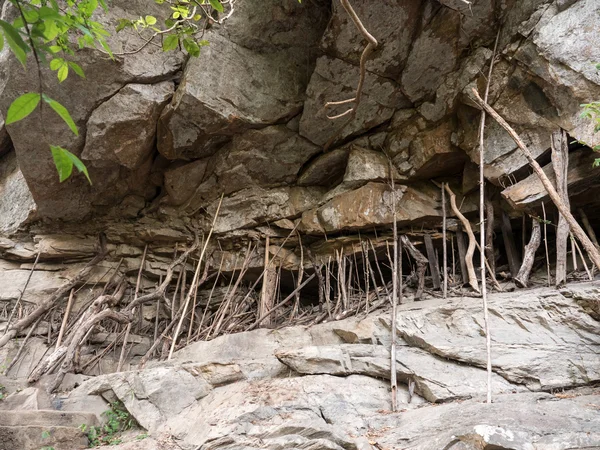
591	111
2	392
118	420
46	435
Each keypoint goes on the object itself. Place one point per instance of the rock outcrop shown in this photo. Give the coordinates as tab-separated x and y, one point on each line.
234	151
325	387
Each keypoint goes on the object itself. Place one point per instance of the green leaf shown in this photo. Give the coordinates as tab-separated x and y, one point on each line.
62	112
63	72
191	47
64	164
216	4
15	42
56	63
1	42
80	166
170	42
22	106
150	20
77	69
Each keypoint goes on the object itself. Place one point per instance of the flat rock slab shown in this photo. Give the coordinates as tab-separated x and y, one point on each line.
540	339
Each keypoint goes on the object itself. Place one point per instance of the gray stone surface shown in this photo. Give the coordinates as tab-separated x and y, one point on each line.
326	386
17	206
122	130
336	80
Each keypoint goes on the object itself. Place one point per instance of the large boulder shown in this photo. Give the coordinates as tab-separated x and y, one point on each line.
336	80
122	130
392	23
105	77
16	204
243	80
372	205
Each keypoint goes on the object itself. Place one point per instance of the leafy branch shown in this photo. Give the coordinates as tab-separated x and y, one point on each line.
53	32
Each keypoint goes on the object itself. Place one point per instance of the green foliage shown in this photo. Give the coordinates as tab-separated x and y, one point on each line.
52	33
118	420
591	111
64	161
46	435
2	392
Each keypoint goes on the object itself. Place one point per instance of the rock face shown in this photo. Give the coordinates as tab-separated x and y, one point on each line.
161	134
237	145
324	387
16	203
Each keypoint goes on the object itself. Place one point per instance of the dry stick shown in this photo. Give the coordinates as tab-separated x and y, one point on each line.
472	241
379	270
372	44
22	347
560	164
193	314
393	380
300	275
588	226
18	302
522	278
280	304
482	236
135	296
585	266
50	302
546	244
489	236
260	277
421	264
444	244
197	335
266	300
231	292
92	361
573	252
195	279
588	245
65	319
489	269
453	258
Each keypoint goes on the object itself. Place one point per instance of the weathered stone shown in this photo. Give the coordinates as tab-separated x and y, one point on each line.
425	370
336	80
368	165
533	325
395	24
517	421
182	181
123	129
433	154
272	24
502	157
433	55
5	144
16	204
104	78
30	430
269	157
326	169
254	206
207	109
52	246
151	396
371	205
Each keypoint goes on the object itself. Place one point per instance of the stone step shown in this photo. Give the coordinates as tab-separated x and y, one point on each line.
34	430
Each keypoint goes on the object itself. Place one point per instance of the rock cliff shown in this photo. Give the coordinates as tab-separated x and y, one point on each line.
233	153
